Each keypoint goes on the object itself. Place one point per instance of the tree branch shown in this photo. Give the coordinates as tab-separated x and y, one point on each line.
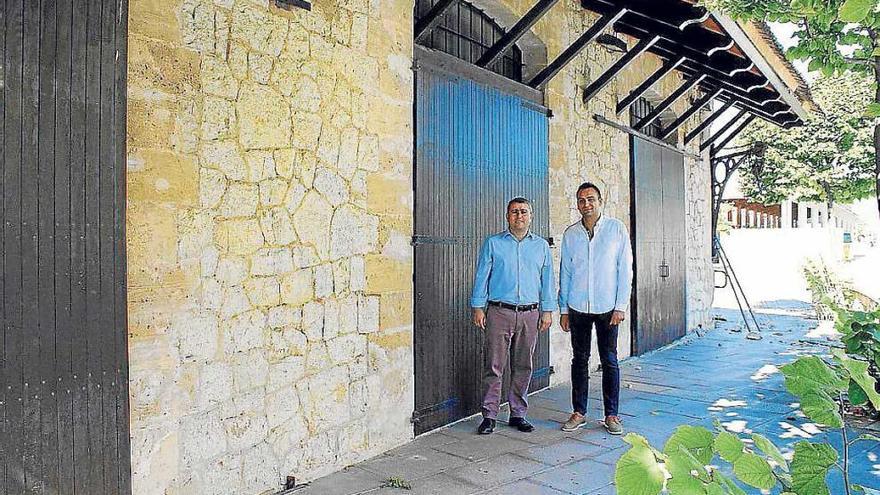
807	27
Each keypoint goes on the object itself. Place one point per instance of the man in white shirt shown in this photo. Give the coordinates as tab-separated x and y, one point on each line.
595	282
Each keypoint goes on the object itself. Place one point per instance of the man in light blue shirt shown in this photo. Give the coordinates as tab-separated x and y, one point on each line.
595	282
513	281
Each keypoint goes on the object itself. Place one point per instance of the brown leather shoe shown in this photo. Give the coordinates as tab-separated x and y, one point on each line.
613	425
574	422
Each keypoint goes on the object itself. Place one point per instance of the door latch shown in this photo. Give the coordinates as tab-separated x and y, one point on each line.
664	270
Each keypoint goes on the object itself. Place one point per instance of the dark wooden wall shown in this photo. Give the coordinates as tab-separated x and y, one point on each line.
659	242
476	148
64	395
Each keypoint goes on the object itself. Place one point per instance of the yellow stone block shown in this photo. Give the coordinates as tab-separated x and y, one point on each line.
395	310
154	19
390	225
389	195
162	67
385	274
150	123
392	341
162	177
151	239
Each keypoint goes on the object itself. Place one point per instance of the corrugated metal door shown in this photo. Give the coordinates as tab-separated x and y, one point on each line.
659	243
476	148
64	382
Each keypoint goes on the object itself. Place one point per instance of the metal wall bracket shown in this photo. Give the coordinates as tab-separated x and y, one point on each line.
600	82
569	53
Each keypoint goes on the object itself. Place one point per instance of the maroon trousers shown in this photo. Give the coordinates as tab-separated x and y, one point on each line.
510	335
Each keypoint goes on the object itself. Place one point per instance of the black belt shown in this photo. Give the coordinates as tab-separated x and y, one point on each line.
515	307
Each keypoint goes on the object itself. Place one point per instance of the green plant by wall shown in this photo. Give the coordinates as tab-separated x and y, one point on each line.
683	466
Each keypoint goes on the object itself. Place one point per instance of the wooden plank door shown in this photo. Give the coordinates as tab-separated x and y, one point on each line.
64	374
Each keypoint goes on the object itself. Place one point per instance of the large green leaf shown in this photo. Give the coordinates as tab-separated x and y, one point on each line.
856	394
810	374
767	447
682	465
715	489
754	471
728	446
697	440
810	466
856	10
821	409
638	471
858	372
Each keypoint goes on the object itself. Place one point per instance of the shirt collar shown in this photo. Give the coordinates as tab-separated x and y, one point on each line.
599	222
529	234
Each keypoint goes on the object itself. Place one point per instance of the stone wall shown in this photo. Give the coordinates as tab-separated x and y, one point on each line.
269	212
700	287
269	216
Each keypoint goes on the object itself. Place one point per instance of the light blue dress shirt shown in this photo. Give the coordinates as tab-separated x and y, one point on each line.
514	272
595	275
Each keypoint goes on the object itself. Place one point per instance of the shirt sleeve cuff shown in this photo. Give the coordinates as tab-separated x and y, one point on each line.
478	303
621	308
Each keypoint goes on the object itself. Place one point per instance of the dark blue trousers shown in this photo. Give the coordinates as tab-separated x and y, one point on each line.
580	327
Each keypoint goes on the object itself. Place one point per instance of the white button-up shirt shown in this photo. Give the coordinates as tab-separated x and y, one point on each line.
595	275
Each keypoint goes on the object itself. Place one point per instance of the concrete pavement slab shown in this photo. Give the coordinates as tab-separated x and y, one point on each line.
412	466
479	447
563	452
523	487
439	484
350	481
497	470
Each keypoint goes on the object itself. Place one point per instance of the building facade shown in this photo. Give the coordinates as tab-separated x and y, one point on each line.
742	213
283	224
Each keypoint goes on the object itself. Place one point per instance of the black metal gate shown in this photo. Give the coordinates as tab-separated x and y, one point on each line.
659	240
64	382
476	148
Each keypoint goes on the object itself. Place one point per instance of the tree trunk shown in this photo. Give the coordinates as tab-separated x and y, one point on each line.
829	200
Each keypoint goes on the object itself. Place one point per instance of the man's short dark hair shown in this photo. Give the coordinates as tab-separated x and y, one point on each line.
519	199
589	185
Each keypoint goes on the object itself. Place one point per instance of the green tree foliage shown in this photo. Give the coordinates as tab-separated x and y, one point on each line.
834	37
830	158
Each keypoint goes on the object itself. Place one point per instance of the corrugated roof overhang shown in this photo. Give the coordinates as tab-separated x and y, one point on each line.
713	47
